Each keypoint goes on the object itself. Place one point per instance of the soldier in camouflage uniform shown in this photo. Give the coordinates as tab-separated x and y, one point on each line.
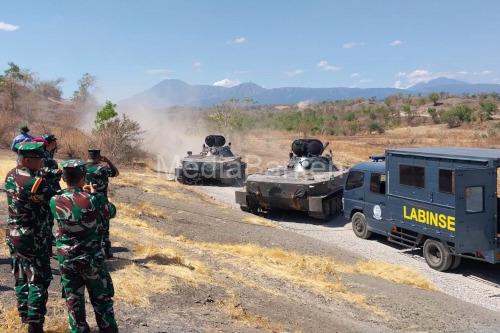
28	196
51	171
50	166
78	216
98	174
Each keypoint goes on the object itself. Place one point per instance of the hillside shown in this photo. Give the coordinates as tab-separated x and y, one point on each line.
171	92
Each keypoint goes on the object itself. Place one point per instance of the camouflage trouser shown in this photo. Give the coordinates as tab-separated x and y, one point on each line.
106	242
91	273
33	278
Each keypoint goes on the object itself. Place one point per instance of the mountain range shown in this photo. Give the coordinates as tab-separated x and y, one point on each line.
170	92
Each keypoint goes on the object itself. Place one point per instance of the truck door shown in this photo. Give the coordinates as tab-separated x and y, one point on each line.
475	209
375	199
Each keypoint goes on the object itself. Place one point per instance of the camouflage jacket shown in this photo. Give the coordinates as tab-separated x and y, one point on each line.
51	171
79	217
98	174
28	196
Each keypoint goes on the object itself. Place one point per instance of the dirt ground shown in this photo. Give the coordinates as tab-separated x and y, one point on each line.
186	263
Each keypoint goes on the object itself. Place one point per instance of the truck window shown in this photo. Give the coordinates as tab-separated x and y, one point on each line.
474	199
446	181
411	175
377	183
354	180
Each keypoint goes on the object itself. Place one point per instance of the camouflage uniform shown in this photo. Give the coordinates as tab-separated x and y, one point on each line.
28	240
98	174
51	173
79	215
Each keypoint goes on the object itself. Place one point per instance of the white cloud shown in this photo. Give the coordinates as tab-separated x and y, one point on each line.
239	40
462	72
350	45
486	72
294	72
365	80
354	74
8	27
325	66
396	42
228	83
400	74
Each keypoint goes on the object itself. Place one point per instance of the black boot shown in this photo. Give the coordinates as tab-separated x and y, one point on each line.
35	328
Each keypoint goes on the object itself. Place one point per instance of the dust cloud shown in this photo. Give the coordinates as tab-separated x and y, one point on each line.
170	133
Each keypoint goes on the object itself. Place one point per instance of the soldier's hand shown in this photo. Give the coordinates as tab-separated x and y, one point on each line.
104	159
87	188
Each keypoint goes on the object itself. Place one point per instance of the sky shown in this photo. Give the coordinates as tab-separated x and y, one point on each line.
132	45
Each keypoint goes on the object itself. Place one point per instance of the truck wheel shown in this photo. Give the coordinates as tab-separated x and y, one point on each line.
359	226
437	255
456	262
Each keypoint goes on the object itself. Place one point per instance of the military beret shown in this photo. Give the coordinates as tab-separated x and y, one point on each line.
74	164
49	137
31	149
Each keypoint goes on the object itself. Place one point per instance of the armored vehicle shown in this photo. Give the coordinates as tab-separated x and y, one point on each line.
310	183
443	200
215	164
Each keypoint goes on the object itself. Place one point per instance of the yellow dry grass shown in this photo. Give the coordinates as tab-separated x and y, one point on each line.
153	269
317	273
151	182
4	250
259	221
394	273
233	307
55	321
139	209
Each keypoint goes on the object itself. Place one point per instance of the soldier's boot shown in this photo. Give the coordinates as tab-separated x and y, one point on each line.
35	328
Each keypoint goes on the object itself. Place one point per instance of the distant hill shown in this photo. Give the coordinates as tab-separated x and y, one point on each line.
454	87
171	92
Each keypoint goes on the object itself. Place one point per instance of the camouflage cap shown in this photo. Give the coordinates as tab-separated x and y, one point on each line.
31	149
74	164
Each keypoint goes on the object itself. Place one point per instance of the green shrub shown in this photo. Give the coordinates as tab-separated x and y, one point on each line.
434	114
375	127
488	108
458	115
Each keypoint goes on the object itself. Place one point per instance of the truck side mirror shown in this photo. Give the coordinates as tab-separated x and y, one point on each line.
290	155
190	153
